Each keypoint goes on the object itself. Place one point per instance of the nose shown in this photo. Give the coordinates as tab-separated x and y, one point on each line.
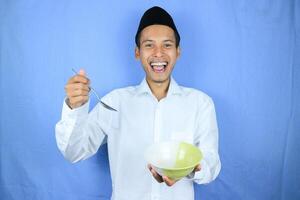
158	52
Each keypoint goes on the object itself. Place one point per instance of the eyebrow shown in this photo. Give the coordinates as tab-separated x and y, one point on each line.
147	41
168	40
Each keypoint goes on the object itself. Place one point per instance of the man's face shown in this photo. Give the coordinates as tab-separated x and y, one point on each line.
158	52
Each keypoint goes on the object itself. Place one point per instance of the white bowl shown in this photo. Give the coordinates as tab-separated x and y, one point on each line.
173	159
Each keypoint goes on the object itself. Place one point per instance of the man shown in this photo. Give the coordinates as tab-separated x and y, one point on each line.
156	110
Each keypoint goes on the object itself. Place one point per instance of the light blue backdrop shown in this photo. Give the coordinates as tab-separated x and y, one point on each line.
244	54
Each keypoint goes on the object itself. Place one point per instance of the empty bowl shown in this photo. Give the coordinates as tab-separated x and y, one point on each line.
173	159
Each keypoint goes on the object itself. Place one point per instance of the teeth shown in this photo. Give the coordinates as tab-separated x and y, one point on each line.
158	67
158	63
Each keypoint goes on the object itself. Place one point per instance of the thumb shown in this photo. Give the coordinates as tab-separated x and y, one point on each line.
82	72
198	168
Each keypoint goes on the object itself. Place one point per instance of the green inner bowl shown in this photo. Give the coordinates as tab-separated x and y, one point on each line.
187	157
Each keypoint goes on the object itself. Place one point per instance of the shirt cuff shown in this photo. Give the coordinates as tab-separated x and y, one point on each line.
191	175
68	113
201	176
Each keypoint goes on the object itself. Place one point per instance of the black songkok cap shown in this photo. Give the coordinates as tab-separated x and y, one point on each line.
159	16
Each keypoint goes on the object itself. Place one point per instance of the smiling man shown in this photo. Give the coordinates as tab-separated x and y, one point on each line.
158	51
157	110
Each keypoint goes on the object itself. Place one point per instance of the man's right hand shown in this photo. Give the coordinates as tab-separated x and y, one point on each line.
77	90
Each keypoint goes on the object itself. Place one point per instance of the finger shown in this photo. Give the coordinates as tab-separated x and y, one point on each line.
82	72
197	168
77	86
78	100
75	93
156	176
168	181
79	79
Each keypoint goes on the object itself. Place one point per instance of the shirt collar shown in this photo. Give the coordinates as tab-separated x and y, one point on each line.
144	88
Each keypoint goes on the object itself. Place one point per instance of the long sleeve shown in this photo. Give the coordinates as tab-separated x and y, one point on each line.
207	141
79	134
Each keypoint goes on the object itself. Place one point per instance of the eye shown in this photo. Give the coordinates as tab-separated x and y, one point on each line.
149	45
168	45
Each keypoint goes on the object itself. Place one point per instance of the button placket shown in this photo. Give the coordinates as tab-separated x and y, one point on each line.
157	132
157	123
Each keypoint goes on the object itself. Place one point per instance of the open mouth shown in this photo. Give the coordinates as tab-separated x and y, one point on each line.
158	67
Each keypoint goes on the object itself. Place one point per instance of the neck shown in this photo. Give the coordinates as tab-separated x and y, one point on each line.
159	89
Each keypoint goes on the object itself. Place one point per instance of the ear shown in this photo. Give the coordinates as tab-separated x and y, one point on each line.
137	53
178	51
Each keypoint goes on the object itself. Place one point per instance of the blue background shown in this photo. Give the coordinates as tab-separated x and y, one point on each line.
244	54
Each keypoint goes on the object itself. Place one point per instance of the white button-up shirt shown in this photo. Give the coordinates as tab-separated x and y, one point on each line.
185	114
